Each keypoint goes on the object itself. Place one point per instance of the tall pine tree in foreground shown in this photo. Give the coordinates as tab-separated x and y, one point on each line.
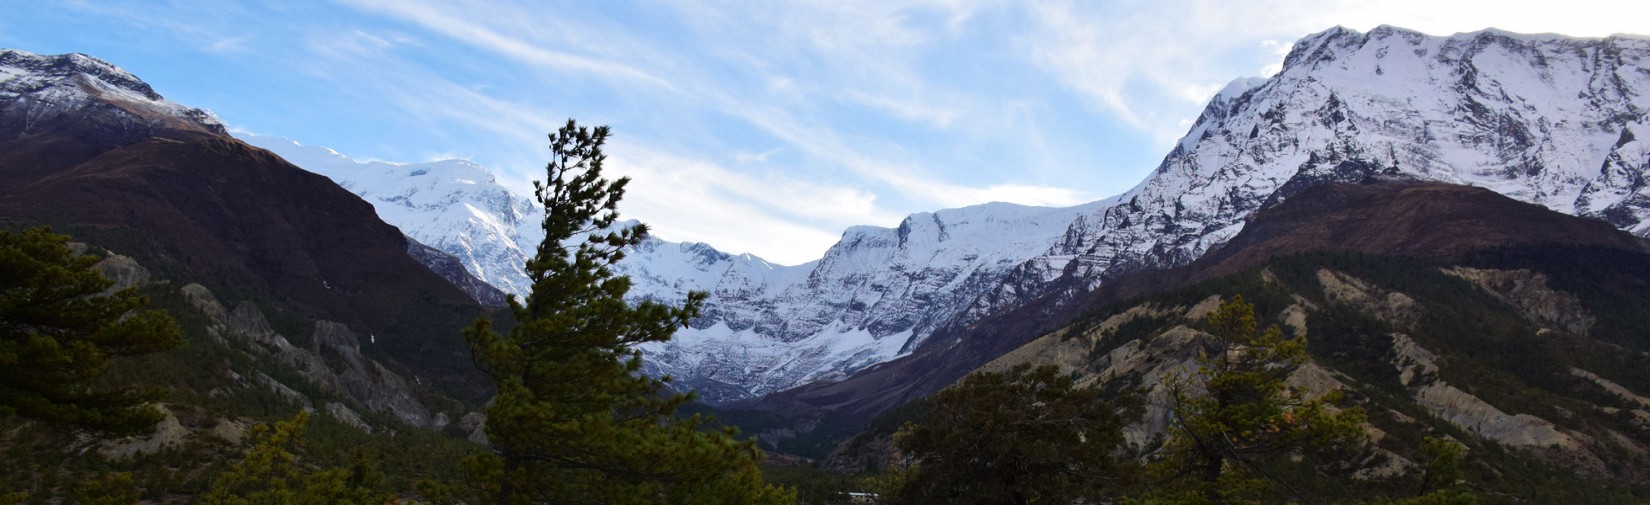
574	420
59	326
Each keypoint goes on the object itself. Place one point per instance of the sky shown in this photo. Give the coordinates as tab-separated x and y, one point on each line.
762	126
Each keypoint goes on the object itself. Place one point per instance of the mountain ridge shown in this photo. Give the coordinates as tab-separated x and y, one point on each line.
1346	106
1390	104
766	327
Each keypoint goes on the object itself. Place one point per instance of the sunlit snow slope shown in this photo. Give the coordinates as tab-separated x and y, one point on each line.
1547	119
766	327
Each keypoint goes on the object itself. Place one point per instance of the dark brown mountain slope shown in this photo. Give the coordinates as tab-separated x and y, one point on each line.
195	204
1422	220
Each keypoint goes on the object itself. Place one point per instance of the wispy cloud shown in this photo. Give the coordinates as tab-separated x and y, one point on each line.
773	215
453	21
868	48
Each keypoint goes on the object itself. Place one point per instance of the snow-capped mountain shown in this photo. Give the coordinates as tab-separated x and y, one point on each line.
766	327
1543	118
875	295
1547	119
453	205
38	89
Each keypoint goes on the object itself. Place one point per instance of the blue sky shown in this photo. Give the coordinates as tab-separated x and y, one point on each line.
763	126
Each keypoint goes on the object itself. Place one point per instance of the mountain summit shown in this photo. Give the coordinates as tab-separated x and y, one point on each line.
1544	119
39	92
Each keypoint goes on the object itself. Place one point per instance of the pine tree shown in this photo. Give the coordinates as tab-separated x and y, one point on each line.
1441	475
1024	436
272	474
1236	415
575	420
58	330
107	489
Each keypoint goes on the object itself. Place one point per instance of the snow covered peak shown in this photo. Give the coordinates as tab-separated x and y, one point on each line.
45	87
456	206
1546	119
1237	88
24	69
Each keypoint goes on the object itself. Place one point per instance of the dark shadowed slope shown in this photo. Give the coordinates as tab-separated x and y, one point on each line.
92	154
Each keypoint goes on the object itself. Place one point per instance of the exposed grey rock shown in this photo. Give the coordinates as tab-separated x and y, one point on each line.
1626	395
291	395
1529	293
474	423
169	433
124	271
1470	412
451	268
333	360
1418	369
349	417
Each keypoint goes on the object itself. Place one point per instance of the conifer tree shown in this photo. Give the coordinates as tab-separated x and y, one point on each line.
1236	415
575	420
1441	475
58	330
1024	436
273	474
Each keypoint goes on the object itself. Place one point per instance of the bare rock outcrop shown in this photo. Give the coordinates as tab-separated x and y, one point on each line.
1530	294
332	360
124	271
1418	369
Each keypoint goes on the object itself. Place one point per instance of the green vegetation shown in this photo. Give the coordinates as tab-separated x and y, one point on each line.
583	425
574	420
270	473
58	330
1234	415
1023	436
1489	349
815	485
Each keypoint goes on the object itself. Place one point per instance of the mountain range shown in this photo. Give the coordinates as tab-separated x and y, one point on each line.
1442	214
1439	310
874	296
1542	118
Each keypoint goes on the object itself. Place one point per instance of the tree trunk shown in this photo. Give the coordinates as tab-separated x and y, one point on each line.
1211	480
505	488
